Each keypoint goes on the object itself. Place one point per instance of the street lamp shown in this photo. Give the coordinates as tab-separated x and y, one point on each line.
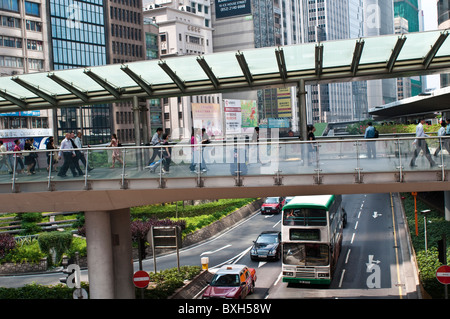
424	213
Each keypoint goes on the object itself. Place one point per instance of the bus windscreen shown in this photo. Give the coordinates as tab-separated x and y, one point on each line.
305	254
304	217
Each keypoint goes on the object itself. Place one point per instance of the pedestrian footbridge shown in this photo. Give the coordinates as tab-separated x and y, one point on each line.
233	170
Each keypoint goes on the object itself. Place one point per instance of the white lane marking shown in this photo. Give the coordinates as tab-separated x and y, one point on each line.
348	254
214	251
342	278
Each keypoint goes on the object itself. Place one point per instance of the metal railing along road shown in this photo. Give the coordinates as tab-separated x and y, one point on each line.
232	159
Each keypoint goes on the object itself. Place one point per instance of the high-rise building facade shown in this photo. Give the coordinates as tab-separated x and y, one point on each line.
443	15
406	19
258	24
77	36
125	40
184	29
379	20
24	49
327	20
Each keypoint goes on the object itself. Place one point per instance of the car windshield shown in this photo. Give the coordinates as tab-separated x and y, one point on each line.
225	280
272	200
267	239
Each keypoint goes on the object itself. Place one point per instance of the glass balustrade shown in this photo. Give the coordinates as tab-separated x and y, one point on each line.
225	158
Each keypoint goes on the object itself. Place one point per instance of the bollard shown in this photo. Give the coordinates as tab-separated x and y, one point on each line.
205	261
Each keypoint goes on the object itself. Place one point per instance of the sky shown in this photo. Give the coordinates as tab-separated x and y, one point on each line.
429	14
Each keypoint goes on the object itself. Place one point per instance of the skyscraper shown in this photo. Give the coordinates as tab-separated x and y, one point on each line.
184	29
406	19
24	49
379	20
77	32
443	14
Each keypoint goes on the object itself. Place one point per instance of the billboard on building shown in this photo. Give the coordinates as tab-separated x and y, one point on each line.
233	118
208	116
232	8
249	113
284	102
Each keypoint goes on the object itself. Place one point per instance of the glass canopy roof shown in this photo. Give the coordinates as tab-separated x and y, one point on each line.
324	62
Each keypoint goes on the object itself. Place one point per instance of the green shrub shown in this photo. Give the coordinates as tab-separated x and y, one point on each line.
427	260
7	243
25	251
35	291
58	241
29	222
78	245
169	280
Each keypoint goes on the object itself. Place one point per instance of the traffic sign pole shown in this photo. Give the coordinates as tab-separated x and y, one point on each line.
141	279
443	276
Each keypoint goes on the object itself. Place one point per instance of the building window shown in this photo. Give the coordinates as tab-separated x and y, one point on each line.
11	62
10	22
35	64
32	8
10	5
10	42
33	26
34	45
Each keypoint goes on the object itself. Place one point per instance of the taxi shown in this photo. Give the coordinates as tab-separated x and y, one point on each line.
231	282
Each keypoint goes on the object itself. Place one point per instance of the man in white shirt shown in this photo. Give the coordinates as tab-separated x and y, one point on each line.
421	145
4	157
442	142
80	154
66	151
156	140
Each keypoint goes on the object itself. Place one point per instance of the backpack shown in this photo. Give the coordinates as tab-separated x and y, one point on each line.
376	133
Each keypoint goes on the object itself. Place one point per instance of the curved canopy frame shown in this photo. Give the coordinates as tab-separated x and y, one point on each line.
387	56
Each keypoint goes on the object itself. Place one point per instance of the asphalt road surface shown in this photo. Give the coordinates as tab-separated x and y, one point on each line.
375	261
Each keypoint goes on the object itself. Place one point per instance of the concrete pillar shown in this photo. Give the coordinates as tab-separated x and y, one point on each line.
99	255
122	254
447	205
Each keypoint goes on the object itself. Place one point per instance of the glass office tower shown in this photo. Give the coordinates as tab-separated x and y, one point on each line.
77	35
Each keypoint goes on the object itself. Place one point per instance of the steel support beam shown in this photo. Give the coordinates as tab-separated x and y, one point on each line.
244	67
434	49
319	59
175	78
138	80
36	90
116	92
208	71
395	52
69	87
359	46
17	101
281	63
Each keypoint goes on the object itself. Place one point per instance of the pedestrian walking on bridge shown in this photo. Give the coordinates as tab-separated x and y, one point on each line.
421	145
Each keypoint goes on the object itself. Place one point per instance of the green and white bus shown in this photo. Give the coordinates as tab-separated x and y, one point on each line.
311	236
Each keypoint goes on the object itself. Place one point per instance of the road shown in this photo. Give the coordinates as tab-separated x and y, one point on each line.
374	263
375	260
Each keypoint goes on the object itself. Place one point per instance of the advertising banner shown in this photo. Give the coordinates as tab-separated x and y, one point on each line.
231	8
233	117
249	113
284	102
207	115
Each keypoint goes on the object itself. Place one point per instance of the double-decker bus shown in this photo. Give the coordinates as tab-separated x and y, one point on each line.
311	235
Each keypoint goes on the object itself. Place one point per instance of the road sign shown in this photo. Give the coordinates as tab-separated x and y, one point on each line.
141	279
443	274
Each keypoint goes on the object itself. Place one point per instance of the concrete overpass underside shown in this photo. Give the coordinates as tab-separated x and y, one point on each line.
108	195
